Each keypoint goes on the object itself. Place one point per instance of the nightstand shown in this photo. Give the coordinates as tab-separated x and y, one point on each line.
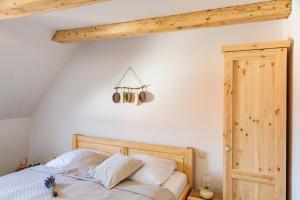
194	195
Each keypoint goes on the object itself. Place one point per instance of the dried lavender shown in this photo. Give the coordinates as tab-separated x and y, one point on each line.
50	184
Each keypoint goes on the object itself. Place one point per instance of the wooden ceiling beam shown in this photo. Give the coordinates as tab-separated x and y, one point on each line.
269	10
17	8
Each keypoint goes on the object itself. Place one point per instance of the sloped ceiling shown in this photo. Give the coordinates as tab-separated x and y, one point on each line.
114	11
30	61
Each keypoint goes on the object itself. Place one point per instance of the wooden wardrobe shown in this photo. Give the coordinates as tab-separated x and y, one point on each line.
255	90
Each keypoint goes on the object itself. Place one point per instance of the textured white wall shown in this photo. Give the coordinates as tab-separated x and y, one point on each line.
186	73
14	134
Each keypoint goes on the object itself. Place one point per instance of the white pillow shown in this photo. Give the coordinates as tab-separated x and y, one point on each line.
115	169
84	163
65	159
155	170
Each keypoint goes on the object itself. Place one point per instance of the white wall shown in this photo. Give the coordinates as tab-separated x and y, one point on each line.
29	63
14	147
292	29
186	73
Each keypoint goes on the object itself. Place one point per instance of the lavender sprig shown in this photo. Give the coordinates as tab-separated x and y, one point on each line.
50	184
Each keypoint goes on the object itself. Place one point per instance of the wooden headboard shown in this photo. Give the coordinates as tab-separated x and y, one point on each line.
182	156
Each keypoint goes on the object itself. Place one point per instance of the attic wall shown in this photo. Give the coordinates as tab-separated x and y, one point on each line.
185	70
29	63
14	134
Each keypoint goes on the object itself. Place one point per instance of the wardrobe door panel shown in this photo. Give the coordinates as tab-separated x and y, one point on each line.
249	190
255	124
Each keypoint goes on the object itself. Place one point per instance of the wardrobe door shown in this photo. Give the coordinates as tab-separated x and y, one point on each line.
255	122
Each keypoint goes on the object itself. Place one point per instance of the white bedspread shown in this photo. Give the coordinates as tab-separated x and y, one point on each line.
29	185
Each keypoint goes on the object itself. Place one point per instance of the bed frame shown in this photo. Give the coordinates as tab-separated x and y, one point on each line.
182	156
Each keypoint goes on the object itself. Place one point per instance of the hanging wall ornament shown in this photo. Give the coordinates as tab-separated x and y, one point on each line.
130	94
142	96
116	97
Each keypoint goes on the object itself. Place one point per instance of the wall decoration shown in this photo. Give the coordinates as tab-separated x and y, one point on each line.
126	94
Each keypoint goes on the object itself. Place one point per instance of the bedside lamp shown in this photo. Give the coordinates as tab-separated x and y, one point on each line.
205	190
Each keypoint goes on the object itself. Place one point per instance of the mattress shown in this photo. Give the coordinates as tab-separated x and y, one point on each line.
176	183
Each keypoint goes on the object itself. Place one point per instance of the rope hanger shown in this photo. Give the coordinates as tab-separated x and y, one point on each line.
142	85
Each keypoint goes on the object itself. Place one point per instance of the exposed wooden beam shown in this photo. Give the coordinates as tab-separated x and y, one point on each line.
270	10
17	8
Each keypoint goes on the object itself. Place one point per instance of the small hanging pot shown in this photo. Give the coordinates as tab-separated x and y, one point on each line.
116	97
124	96
132	97
142	96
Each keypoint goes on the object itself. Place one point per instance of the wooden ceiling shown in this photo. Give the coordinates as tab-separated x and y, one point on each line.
248	13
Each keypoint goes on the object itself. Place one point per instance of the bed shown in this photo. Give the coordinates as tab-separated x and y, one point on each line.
26	185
